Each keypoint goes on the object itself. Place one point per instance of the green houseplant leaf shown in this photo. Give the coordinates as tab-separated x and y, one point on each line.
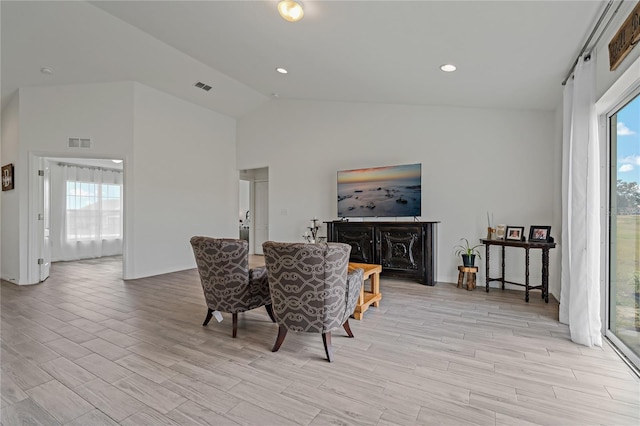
466	248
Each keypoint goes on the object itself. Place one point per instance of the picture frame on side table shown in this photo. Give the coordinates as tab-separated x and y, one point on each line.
539	234
514	233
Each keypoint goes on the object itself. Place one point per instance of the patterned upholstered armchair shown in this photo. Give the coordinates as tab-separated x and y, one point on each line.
228	283
310	288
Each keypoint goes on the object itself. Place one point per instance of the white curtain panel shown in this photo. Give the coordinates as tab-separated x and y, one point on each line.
84	233
580	286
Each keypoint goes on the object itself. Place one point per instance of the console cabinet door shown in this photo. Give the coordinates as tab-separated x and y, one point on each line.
401	248
406	250
360	238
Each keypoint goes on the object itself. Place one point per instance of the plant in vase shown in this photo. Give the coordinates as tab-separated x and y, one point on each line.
468	252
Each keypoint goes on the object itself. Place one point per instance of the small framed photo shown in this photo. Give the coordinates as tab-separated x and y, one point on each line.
7	177
539	234
514	233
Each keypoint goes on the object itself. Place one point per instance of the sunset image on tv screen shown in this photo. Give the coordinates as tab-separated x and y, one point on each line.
393	191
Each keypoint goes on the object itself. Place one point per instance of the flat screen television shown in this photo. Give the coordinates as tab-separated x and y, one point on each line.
393	191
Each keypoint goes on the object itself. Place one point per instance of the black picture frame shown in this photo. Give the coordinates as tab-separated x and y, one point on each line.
514	233
539	234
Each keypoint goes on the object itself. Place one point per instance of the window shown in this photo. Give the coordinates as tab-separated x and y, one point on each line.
111	211
93	211
624	227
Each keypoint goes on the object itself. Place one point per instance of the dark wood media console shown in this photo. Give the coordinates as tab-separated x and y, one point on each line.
404	249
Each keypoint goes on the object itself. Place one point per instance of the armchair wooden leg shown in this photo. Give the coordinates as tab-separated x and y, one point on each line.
208	318
326	339
269	309
282	333
347	328
234	317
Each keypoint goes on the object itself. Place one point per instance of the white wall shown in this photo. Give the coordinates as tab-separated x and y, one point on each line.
13	223
179	165
47	117
473	161
185	181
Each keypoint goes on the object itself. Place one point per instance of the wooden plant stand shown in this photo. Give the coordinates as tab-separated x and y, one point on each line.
471	276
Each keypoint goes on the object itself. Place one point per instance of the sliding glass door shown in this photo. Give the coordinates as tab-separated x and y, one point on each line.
624	228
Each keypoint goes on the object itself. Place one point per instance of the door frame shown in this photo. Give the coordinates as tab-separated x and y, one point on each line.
34	233
622	347
608	104
255	212
257	174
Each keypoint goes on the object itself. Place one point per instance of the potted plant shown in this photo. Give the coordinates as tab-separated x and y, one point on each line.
467	252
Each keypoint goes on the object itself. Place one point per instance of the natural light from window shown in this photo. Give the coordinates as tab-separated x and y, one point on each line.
624	262
93	211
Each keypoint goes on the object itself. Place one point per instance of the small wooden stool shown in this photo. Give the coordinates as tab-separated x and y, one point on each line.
471	276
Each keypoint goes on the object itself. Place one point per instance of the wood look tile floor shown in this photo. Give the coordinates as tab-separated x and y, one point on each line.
87	348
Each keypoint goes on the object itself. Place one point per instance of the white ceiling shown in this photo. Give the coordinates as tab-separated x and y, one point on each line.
510	54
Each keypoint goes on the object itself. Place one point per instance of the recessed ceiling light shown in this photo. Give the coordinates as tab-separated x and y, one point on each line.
117	161
46	70
290	10
448	68
282	70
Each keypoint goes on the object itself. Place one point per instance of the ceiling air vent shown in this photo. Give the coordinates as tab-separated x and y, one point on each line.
79	143
203	86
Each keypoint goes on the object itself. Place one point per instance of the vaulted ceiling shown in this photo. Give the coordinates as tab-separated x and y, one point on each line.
509	54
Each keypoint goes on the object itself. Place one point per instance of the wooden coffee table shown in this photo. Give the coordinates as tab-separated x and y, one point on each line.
367	298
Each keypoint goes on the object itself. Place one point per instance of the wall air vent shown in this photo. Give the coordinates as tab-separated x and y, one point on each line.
79	143
203	86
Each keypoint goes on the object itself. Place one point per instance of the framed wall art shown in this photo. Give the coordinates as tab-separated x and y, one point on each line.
7	177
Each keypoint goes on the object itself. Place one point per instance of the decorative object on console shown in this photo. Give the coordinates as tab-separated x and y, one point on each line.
311	236
491	230
514	233
7	177
539	234
467	252
500	231
491	233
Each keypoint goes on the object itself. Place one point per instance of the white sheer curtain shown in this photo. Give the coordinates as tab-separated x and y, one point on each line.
86	212
580	291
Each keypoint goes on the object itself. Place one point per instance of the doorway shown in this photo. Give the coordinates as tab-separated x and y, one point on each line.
624	228
254	207
244	198
80	214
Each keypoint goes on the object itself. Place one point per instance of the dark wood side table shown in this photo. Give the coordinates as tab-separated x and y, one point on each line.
544	247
